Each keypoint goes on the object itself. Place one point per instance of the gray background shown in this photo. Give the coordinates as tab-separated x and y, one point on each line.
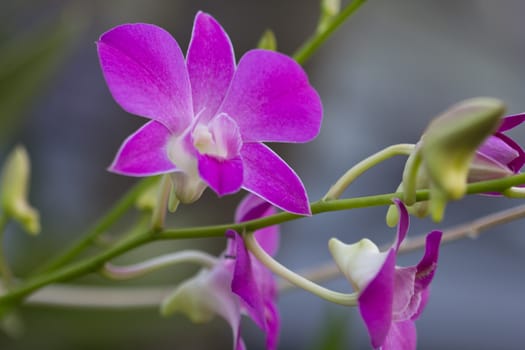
382	77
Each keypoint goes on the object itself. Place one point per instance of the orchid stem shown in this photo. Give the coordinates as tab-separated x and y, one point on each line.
159	212
114	214
410	177
360	168
94	263
142	297
137	270
299	281
515	192
329	270
312	44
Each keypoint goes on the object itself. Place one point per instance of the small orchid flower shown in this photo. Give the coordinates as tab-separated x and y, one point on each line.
499	155
238	284
209	118
390	298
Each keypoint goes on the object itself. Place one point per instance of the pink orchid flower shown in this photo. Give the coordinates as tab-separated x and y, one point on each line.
391	297
238	284
209	117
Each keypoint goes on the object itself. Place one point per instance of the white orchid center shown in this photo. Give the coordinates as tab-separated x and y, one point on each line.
207	142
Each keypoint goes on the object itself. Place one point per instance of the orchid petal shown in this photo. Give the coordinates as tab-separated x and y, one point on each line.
146	74
403	225
484	168
428	264
423	300
207	294
402	336
511	122
495	148
519	161
226	134
211	63
406	301
245	285
144	153
224	176
269	177
376	300
273	324
253	207
359	262
271	99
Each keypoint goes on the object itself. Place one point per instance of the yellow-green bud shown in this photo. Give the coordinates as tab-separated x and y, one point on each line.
14	190
268	41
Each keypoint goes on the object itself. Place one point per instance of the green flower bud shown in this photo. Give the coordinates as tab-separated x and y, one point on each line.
451	140
14	190
329	9
268	41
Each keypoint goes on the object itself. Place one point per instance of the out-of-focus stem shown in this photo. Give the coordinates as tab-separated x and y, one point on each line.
312	44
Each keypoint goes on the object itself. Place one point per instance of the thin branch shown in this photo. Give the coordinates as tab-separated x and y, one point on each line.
472	229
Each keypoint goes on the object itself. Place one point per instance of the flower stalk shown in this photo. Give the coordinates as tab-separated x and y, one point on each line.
297	280
357	170
115	272
94	263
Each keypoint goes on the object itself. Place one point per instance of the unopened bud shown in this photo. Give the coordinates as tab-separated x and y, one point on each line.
268	41
15	188
451	140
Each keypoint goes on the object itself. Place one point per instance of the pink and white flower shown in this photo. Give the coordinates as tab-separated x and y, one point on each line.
209	116
391	297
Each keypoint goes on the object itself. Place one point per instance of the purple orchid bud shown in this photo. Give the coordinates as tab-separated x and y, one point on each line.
209	117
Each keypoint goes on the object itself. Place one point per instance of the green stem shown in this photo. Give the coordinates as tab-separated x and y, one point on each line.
78	269
410	177
357	170
94	263
295	279
114	214
159	211
312	44
5	271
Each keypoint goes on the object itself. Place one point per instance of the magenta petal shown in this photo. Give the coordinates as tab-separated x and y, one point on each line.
428	264
244	283
511	122
146	73
497	149
403	225
423	300
144	153
406	301
224	176
376	301
269	177
253	207
271	99
519	161
211	63
273	324
402	336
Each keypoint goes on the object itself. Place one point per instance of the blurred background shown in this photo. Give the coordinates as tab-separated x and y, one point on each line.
382	77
